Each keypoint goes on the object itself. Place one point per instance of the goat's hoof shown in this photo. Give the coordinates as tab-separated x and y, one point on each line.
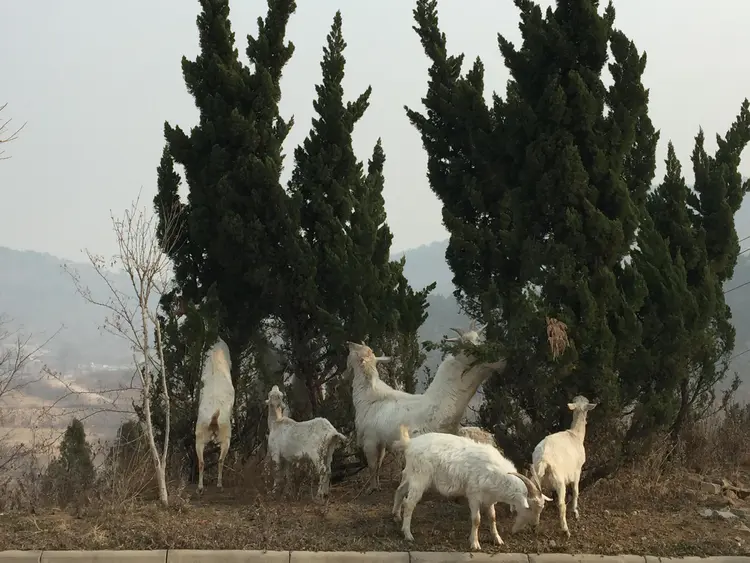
476	547
567	533
408	536
575	514
200	491
397	518
499	540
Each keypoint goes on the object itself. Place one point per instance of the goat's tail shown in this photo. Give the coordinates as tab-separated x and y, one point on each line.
541	468
401	445
214	424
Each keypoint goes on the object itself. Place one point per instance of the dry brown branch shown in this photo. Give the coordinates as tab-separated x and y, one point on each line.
5	135
557	336
131	312
17	353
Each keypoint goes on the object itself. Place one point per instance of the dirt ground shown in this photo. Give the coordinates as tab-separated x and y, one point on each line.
628	514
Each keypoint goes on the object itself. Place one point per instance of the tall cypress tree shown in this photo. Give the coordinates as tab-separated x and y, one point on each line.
542	194
354	292
325	176
239	228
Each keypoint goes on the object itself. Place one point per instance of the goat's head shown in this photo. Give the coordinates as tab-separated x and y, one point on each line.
470	336
275	398
533	503
581	404
361	355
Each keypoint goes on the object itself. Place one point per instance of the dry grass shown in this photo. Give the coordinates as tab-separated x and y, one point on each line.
651	508
627	514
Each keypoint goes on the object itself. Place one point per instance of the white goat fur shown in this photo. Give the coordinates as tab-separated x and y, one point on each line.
460	467
380	409
215	408
559	457
290	441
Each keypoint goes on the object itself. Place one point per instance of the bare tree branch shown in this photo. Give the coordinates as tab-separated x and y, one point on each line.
5	135
131	313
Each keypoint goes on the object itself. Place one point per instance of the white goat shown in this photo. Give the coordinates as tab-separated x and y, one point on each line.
215	407
559	457
380	409
460	467
290	441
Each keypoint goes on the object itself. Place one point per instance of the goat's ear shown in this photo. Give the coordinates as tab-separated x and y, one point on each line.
590	406
267	401
383	359
572	406
526	503
546	498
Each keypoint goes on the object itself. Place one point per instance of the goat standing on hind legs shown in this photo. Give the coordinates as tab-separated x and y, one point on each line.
215	408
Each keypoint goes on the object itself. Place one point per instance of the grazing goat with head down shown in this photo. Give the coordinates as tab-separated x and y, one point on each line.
380	409
215	407
290	441
461	467
559	457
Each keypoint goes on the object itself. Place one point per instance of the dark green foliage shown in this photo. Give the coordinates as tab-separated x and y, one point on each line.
544	189
238	228
347	288
547	189
687	248
70	476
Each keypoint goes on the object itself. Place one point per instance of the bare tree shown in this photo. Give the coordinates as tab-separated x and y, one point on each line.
6	136
131	312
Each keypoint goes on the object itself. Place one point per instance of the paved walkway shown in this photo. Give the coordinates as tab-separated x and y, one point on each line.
193	556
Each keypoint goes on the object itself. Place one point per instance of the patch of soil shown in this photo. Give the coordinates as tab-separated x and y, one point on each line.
628	514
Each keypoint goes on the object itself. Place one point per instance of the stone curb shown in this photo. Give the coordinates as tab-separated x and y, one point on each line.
257	556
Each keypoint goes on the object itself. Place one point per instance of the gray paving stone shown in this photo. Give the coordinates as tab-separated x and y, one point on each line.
458	557
226	556
20	556
158	556
346	556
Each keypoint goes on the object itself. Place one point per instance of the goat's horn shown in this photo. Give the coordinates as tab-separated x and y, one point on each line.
457	331
535	477
480	329
530	485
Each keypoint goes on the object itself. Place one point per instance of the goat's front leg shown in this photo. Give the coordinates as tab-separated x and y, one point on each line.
476	518
561	508
493	524
574	501
412	498
278	473
323	476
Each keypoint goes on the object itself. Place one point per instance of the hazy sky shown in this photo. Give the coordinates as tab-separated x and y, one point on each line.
95	80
